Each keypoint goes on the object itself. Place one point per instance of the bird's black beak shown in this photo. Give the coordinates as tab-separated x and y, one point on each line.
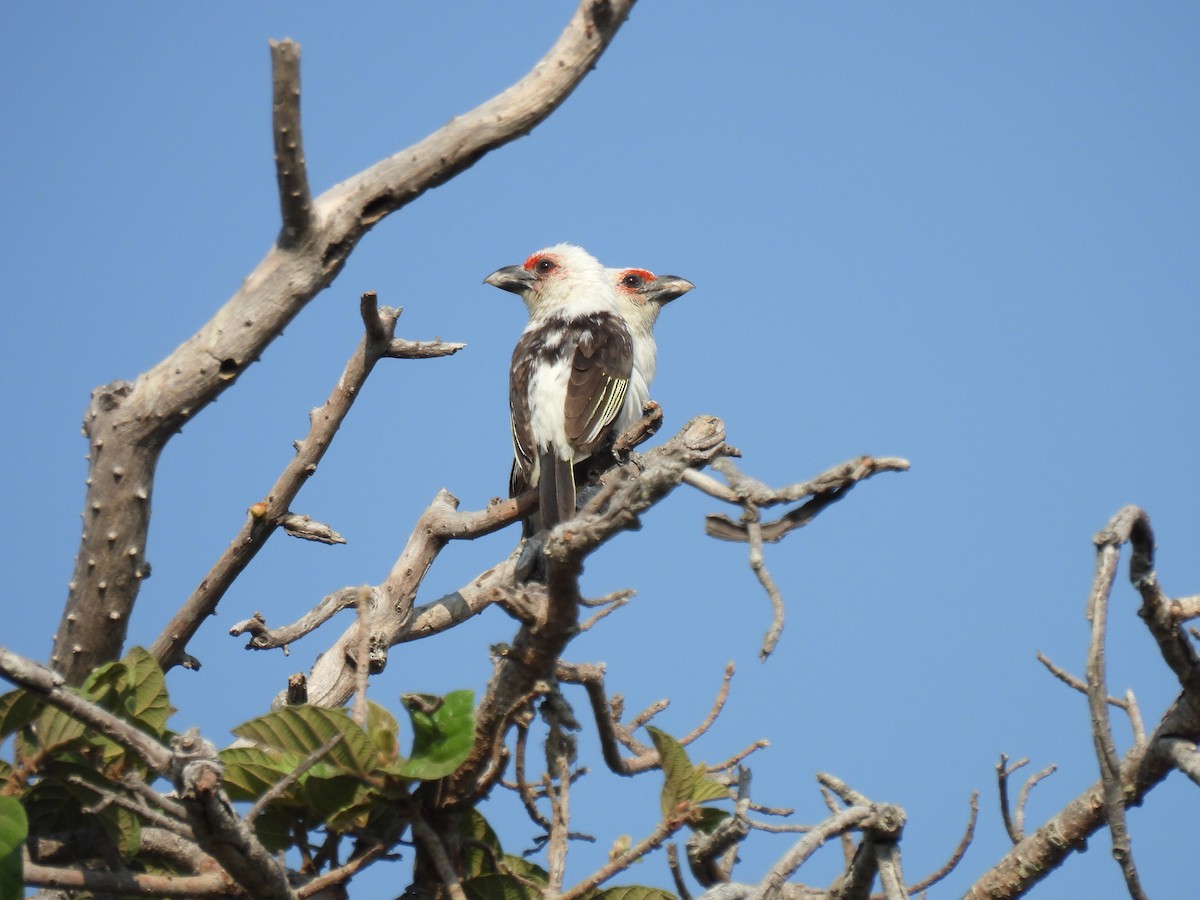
515	279
668	287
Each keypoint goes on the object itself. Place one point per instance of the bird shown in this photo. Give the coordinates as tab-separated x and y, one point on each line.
570	371
641	295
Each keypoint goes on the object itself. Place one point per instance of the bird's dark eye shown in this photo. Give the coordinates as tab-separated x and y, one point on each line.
632	280
544	266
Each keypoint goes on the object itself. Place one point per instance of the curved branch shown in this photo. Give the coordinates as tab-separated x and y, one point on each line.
128	424
170	647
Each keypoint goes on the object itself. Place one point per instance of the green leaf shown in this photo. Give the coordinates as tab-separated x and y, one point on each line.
497	887
685	785
634	892
522	868
13	830
708	818
145	692
443	733
327	797
304	729
384	732
708	788
17	709
57	730
480	846
679	774
251	771
273	828
125	829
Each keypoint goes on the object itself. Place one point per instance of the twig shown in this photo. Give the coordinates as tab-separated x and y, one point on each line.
142	809
737	758
340	874
955	857
832	804
432	845
1107	555
718	705
524	790
824	490
1003	770
280	787
170	647
613	602
681	887
1128	703
846	820
1023	796
264	638
655	839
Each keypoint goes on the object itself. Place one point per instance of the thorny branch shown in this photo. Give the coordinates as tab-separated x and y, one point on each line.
128	424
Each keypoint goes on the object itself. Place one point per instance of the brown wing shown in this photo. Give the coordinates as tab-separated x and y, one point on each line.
520	416
598	380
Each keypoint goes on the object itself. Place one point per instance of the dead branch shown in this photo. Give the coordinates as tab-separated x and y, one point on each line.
170	648
624	493
128	424
824	490
126	883
1023	795
1108	553
393	618
955	857
1127	703
848	819
1003	770
1146	763
752	495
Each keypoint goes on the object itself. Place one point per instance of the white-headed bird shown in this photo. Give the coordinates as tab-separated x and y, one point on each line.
641	295
570	371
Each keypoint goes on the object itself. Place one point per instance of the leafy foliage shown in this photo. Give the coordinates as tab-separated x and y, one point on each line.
686	787
13	829
443	732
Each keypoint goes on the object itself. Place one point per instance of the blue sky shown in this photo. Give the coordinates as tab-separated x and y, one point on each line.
960	233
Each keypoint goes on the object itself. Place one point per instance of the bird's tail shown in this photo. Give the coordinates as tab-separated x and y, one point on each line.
556	490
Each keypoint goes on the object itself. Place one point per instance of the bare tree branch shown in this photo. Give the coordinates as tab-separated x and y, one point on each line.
1003	770
824	490
291	171
170	648
1108	553
1042	852
126	883
128	423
